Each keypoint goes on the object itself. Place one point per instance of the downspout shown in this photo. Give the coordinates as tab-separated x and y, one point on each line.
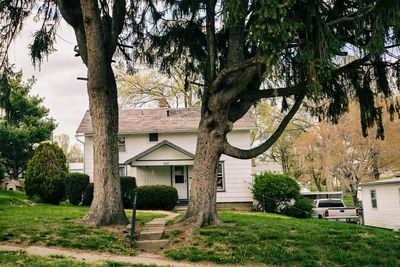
82	142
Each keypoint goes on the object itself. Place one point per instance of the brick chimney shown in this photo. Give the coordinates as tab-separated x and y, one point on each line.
162	102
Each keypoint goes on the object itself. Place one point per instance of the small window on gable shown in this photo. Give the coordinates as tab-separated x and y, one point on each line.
373	199
121	144
153	137
221	177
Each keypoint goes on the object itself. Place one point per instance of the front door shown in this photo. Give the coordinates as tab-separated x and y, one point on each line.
180	181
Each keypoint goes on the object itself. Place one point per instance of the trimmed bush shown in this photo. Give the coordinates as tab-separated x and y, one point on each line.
75	186
156	197
44	179
302	208
274	192
87	196
128	186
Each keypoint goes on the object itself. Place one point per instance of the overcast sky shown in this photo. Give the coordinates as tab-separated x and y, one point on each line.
57	83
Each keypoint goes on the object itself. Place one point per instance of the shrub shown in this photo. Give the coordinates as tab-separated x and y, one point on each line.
274	191
128	186
75	186
302	208
156	197
87	197
45	174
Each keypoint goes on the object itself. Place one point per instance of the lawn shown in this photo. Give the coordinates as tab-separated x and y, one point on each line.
14	259
259	238
28	223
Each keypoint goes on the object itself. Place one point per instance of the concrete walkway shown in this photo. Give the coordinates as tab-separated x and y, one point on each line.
89	256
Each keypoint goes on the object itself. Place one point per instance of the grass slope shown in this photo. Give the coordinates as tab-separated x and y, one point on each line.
29	223
279	240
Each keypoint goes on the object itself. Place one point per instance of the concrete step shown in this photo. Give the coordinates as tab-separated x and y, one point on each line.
151	244
157	222
151	235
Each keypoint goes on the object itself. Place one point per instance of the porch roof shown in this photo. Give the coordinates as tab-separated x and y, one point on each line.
145	155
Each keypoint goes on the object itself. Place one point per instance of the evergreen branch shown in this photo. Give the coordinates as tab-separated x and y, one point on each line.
275	92
356	15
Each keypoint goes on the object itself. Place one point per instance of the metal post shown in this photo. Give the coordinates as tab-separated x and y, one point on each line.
133	224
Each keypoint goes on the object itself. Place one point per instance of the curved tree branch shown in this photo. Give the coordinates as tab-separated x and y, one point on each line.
235	152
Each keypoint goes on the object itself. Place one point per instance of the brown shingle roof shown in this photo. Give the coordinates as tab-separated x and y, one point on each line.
161	120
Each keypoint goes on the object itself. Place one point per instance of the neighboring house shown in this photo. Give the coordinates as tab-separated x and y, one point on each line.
381	203
157	146
76	167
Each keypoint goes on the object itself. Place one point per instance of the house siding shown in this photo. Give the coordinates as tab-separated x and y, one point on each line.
387	213
237	172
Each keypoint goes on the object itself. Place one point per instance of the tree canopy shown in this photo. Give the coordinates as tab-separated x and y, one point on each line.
25	123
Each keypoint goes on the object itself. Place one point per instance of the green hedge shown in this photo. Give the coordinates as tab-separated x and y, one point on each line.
274	192
156	197
75	186
128	186
44	179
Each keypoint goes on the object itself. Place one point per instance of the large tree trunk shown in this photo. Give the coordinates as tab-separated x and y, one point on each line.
202	209
107	205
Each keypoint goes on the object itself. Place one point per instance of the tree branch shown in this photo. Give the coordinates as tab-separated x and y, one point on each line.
118	20
356	15
235	152
240	66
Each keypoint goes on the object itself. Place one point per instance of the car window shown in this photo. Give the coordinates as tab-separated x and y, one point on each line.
330	203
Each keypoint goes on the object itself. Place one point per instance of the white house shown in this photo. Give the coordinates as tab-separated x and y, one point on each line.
157	146
381	203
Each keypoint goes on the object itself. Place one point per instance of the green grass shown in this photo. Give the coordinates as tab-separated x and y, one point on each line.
49	225
20	259
257	238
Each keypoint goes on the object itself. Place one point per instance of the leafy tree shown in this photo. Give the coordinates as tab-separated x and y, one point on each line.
268	117
24	124
46	173
75	154
101	28
147	87
250	50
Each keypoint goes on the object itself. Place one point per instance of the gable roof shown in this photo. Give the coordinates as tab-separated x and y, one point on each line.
161	120
157	146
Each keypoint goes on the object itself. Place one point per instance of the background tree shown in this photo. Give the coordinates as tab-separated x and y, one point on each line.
63	141
145	88
25	123
268	117
250	50
75	154
101	28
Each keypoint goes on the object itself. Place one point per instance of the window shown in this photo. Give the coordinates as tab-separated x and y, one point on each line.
121	144
153	137
121	171
221	177
179	174
331	203
373	199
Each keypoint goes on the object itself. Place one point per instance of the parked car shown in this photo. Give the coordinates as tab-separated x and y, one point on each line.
334	209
